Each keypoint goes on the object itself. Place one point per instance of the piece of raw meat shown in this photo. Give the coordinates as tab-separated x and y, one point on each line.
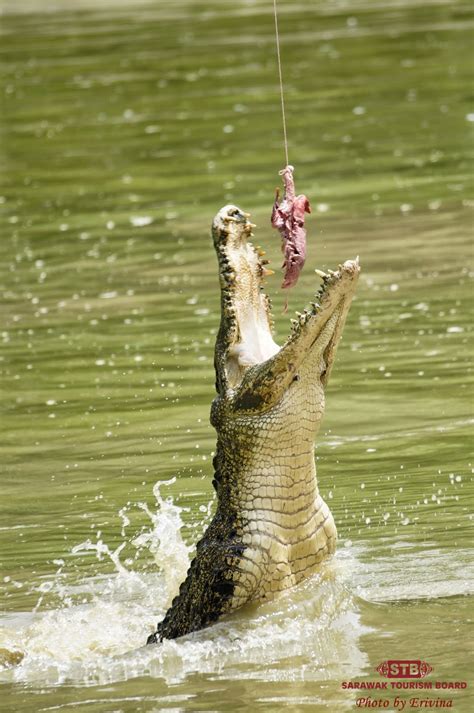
288	217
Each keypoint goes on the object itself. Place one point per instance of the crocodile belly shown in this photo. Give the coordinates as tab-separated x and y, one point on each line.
283	546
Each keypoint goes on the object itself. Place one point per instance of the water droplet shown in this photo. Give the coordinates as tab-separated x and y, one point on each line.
139	221
322	207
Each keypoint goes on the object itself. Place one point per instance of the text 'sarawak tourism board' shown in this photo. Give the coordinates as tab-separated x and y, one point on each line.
404	690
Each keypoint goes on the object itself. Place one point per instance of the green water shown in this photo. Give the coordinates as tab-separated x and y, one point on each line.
125	127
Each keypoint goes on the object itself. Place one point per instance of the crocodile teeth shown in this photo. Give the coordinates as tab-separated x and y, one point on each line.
320	273
267	272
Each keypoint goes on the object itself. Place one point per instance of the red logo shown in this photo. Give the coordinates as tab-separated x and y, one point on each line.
404	669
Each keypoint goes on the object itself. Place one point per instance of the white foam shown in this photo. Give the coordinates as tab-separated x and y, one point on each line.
101	639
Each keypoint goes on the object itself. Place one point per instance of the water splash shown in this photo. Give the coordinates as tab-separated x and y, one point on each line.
164	540
314	627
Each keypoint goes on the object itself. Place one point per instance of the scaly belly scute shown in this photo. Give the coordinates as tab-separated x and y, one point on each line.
283	548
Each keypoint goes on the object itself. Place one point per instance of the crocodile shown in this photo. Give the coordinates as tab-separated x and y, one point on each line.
271	528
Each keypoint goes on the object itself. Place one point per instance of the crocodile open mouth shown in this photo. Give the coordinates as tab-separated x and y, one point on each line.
245	338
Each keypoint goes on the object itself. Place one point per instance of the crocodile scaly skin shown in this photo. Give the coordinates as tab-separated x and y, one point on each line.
272	529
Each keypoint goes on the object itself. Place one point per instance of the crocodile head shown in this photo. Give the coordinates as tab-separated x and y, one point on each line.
248	361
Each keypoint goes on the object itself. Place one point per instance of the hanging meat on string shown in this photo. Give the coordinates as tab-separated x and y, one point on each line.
288	217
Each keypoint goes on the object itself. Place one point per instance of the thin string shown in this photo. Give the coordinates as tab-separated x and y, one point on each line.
277	36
